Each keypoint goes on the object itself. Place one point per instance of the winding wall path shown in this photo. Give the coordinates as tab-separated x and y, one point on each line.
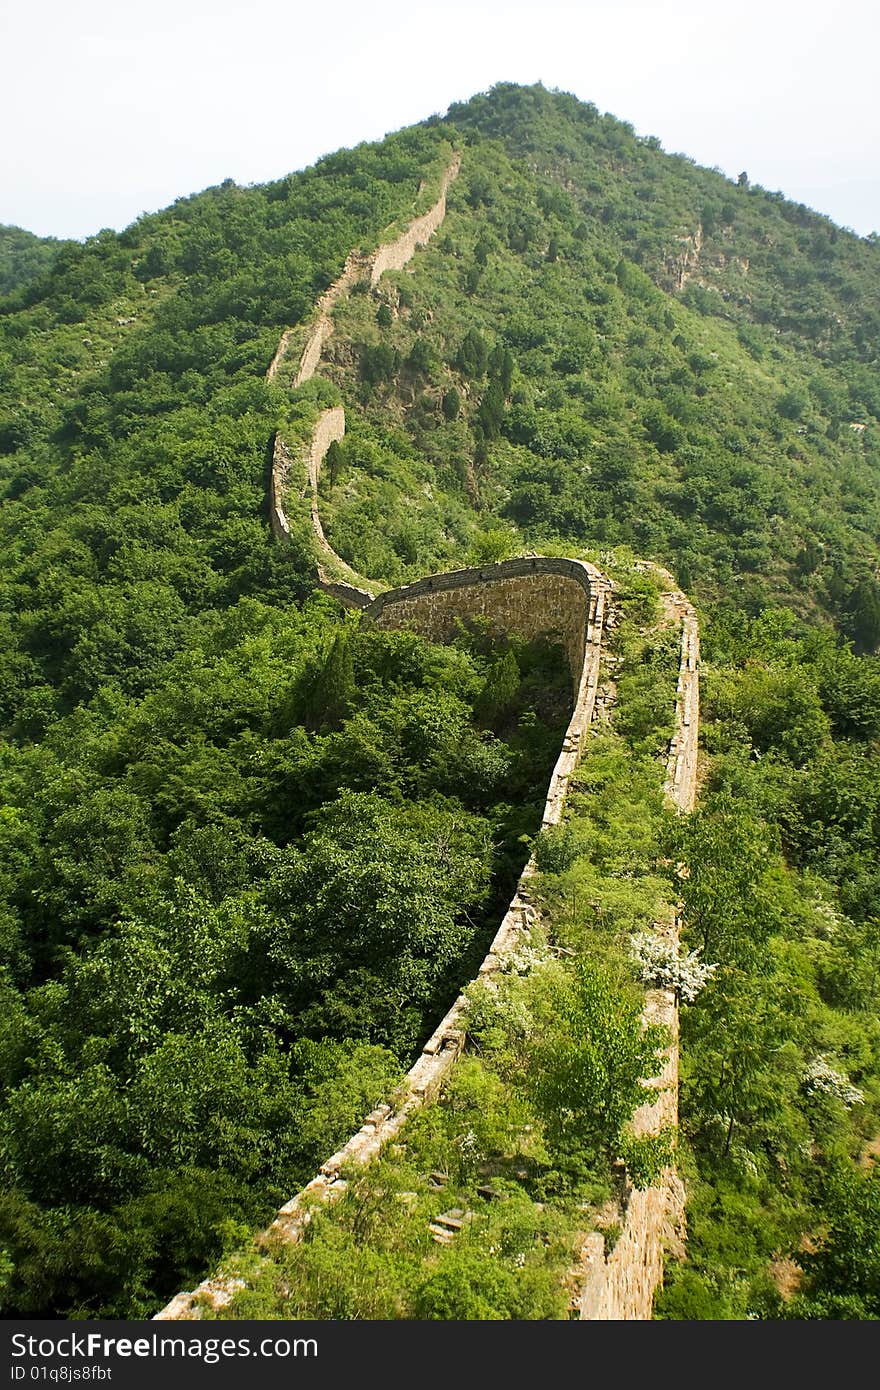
393	255
620	1286
560	598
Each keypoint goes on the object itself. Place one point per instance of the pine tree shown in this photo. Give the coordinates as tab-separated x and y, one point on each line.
335	686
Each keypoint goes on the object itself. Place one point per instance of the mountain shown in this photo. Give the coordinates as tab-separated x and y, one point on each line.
694	368
208	770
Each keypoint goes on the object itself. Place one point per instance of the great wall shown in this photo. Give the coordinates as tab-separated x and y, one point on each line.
567	599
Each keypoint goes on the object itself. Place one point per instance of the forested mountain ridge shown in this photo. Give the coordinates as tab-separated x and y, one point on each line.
770	260
187	755
718	428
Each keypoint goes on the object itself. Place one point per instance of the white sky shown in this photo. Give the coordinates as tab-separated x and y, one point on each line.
110	108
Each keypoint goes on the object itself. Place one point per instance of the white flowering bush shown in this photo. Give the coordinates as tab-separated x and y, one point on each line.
820	1078
660	964
523	960
469	1155
828	919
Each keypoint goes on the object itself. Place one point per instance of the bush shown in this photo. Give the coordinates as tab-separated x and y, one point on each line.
556	849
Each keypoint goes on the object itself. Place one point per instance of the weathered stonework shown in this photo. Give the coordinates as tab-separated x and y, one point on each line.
282	465
356	268
397	253
392	256
340	580
681	777
538	596
563	599
622	1285
586	595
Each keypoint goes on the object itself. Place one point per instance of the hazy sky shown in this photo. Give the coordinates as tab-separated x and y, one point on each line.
109	109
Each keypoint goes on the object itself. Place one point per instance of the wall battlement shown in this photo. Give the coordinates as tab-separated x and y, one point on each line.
535	596
396	254
621	1285
340	579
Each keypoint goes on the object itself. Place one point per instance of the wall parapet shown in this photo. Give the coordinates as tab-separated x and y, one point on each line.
681	775
620	1286
339	579
396	254
537	595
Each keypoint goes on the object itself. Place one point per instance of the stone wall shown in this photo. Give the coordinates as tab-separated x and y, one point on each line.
563	599
331	423
282	466
538	596
586	594
340	579
621	1285
395	255
392	256
329	429
681	775
356	267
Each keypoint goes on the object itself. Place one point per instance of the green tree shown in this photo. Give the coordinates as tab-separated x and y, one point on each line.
843	1273
472	358
729	899
863	614
332	692
500	689
373	908
591	1062
335	461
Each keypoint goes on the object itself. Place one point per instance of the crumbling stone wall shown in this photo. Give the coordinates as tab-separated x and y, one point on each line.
681	776
330	428
537	596
356	267
282	466
340	580
331	423
393	256
534	596
587	593
621	1285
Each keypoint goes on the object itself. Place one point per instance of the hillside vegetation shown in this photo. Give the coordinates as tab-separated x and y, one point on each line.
248	848
562	359
24	257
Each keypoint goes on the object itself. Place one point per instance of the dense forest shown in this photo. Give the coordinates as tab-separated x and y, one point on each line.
250	848
24	257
